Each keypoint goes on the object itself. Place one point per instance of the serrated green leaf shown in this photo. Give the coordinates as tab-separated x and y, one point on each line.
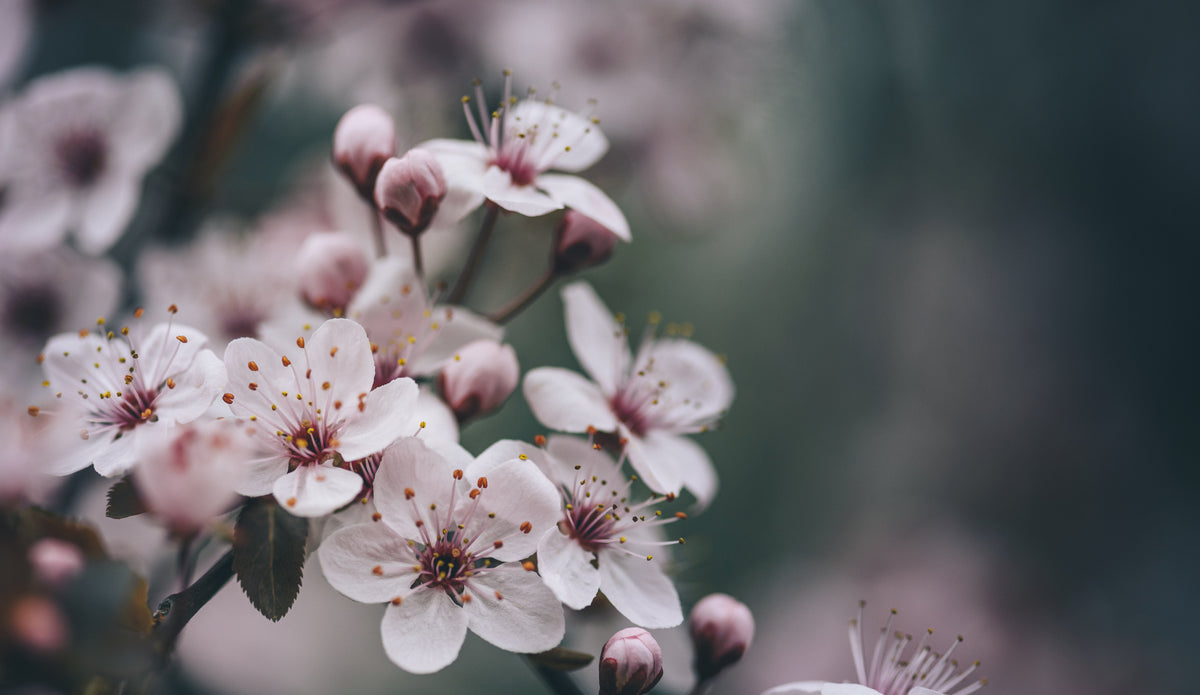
123	500
562	659
268	555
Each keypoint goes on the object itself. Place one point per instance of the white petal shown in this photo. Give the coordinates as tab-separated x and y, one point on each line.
525	618
151	115
918	690
317	490
457	328
654	462
689	459
458	148
567	569
639	589
464	187
409	464
808	687
582	195
698	388
440	423
105	211
115	457
162	354
34	220
368	562
195	389
425	632
379	421
565	401
568	452
525	200
517	493
847	689
260	476
581	133
596	338
339	354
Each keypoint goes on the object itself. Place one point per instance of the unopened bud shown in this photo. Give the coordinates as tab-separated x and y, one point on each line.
581	242
722	629
364	139
479	378
410	189
332	266
55	561
630	663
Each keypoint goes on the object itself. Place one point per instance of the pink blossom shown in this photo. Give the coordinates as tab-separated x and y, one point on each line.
722	628
631	663
410	190
363	140
482	375
330	266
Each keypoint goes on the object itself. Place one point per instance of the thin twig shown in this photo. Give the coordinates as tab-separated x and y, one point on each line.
377	230
177	609
468	273
418	263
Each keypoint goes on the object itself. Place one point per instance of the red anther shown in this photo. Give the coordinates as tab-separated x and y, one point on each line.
181	338
252	365
481	483
498	544
529	566
680	515
228	398
377	570
526	527
408	493
458	474
300	342
539	440
173	309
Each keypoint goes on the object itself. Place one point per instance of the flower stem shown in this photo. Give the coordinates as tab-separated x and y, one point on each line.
418	262
559	682
701	687
459	291
377	231
177	609
526	298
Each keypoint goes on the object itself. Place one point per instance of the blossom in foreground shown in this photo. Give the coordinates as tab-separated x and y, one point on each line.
74	151
444	553
116	386
514	150
603	541
673	387
897	668
316	415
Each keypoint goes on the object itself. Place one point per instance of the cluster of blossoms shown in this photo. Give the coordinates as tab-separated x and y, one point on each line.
338	395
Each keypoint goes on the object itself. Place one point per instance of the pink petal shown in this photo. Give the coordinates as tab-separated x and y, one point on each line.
368	562
525	200
567	569
312	491
582	195
639	589
517	493
596	338
653	457
339	354
425	632
565	401
525	618
381	419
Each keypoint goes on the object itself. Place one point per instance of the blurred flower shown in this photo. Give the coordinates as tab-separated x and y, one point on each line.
31	445
674	387
55	561
38	624
16	20
115	387
410	190
189	473
44	293
631	663
331	266
894	670
74	150
482	375
318	418
517	145
446	555
722	628
590	549
581	242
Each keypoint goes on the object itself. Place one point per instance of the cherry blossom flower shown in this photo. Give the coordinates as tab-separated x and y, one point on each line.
895	669
515	148
673	387
75	150
603	541
317	416
117	384
444	552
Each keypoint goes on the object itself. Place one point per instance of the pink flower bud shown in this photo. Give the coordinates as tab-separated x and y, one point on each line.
479	378
364	139
722	628
38	624
581	242
630	663
189	473
332	267
55	561
410	189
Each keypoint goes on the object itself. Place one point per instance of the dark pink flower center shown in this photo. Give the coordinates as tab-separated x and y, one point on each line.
81	156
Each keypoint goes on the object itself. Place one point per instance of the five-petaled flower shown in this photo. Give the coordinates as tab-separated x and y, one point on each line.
445	549
316	415
673	387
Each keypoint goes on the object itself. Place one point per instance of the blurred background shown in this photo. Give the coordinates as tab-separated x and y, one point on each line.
946	248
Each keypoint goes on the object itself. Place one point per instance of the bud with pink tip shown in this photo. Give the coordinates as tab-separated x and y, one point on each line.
188	473
332	267
722	629
630	663
55	561
364	139
581	242
410	189
479	378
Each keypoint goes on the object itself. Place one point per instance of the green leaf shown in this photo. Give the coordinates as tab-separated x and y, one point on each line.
562	659
123	500
268	555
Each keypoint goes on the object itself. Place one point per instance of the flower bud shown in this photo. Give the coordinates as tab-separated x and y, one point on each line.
364	139
55	561
479	378
581	242
722	628
410	189
332	267
187	474
630	663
